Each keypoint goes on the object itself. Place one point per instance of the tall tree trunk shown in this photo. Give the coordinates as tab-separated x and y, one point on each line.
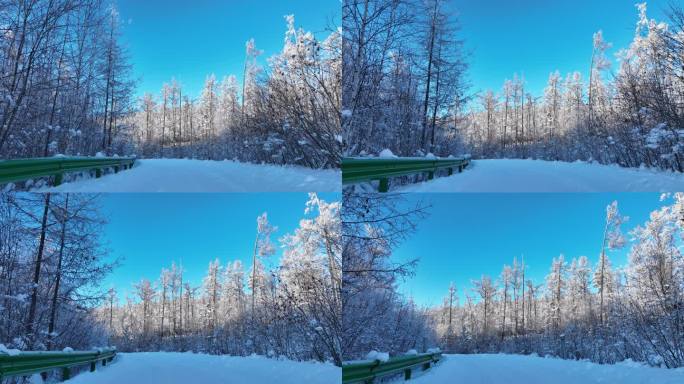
431	46
55	294
36	272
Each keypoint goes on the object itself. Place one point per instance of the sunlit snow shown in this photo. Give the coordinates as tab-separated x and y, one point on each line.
549	176
183	368
516	369
183	175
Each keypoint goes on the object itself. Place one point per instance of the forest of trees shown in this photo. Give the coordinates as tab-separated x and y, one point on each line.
66	87
65	82
631	116
403	73
52	261
404	89
602	313
375	316
288	112
292	310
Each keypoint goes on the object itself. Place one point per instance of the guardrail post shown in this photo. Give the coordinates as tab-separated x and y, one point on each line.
116	169
460	168
92	366
104	362
384	185
58	179
98	172
431	175
66	374
407	374
451	171
426	366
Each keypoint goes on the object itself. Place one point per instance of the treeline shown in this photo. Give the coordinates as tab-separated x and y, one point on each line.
287	113
404	89
403	75
66	88
634	118
603	314
65	80
292	310
375	316
51	263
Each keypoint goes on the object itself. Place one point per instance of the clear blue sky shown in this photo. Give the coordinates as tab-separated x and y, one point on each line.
189	40
468	235
536	37
149	231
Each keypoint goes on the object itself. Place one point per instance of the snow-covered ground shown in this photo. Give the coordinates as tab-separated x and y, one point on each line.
183	175
507	175
189	368
516	369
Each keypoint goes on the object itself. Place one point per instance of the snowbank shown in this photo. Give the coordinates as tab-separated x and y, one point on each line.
387	154
516	369
183	368
9	351
183	175
375	355
504	175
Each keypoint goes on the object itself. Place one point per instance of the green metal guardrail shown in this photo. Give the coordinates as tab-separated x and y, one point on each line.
369	371
26	169
356	170
29	363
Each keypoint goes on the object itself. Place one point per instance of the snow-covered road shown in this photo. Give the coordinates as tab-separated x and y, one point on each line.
515	369
183	175
549	176
185	368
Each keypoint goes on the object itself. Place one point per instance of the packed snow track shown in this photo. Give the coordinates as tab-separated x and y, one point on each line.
516	369
184	368
509	175
184	175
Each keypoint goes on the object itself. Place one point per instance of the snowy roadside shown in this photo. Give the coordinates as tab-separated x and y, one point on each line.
183	175
508	175
518	369
183	368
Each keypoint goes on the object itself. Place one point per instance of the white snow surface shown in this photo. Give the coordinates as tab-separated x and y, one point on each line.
184	368
185	175
508	175
387	154
8	351
518	369
375	355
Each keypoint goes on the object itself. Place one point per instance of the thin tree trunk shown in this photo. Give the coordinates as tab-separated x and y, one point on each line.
55	294
36	272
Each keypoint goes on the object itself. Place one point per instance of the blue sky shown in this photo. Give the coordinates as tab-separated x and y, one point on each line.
192	39
536	37
468	235
149	231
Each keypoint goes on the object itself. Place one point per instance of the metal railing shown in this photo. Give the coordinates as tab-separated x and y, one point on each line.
29	363
358	170
367	372
26	169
